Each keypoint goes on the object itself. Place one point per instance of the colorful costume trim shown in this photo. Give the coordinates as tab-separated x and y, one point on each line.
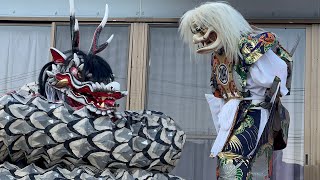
250	138
252	47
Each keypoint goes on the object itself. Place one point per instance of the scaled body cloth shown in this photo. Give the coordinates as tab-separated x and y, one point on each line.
67	125
250	72
45	140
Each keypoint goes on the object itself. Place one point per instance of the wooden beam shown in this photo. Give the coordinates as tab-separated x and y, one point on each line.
53	37
312	103
137	66
53	34
154	20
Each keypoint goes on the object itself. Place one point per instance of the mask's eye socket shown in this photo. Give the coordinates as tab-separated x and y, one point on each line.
79	76
195	29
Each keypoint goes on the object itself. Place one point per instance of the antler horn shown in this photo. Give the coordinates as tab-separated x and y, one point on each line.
95	47
295	45
74	28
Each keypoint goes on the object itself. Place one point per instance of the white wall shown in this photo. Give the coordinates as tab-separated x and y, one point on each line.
278	9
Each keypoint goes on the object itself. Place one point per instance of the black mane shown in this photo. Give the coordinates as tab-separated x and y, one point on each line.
95	65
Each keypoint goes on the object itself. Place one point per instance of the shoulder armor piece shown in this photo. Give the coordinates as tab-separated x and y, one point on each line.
252	47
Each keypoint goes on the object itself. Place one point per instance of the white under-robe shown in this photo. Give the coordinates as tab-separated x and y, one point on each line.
260	77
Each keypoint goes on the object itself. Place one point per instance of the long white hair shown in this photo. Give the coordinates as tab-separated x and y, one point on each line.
227	22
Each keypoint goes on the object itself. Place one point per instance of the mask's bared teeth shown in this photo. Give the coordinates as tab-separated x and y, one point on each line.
98	86
103	113
103	86
103	98
94	87
108	87
102	105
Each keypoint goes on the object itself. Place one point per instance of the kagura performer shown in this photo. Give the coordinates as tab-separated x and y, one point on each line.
250	72
67	126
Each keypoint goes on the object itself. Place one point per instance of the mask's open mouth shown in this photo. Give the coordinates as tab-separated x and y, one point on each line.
206	41
101	100
97	97
204	46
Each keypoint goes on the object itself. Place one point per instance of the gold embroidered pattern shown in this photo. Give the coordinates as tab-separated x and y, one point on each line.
248	122
235	144
253	47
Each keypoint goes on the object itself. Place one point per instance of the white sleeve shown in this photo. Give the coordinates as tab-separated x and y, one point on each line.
215	105
266	68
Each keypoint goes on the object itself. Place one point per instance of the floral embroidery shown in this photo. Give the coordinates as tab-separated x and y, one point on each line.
253	47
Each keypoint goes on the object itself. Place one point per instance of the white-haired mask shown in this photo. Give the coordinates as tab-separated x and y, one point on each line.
205	38
213	26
